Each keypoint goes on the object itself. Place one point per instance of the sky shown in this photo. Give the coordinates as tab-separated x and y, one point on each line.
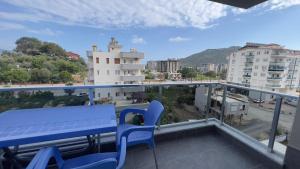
160	28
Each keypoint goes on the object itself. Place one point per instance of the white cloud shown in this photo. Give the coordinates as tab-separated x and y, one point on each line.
11	26
178	39
137	40
4	26
281	4
115	13
46	31
200	14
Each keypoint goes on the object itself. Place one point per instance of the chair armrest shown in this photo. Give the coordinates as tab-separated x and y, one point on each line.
46	155
35	159
122	155
130	110
129	130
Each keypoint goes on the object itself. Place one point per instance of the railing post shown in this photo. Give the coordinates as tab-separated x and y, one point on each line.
275	123
160	90
223	104
208	102
91	96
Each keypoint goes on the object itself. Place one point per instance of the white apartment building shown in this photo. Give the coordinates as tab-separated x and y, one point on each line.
215	67
266	66
115	67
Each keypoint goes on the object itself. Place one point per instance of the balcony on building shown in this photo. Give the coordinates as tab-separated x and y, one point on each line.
132	55
132	66
207	140
276	68
247	69
133	78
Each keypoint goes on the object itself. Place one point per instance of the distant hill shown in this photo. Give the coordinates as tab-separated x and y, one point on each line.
208	56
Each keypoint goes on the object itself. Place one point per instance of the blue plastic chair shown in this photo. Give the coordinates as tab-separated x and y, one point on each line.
114	160
141	134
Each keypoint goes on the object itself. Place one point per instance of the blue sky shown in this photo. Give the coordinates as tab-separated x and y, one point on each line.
159	28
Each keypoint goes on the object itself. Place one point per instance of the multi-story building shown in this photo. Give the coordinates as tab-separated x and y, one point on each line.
267	66
169	67
215	67
114	67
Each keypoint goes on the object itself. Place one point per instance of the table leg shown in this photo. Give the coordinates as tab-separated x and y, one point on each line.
11	157
99	143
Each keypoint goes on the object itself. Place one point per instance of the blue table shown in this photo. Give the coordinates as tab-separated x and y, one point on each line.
27	126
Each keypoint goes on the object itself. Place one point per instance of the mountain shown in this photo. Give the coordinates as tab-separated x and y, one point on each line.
209	56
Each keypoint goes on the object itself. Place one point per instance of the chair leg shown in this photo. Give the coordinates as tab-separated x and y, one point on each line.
154	154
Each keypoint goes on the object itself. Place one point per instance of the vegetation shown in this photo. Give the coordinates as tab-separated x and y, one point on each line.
34	61
217	56
39	99
188	73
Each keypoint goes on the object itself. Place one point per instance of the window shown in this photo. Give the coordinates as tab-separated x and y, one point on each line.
99	94
264	68
117	60
107	60
124	93
255	67
98	72
117	94
97	60
107	72
117	72
263	74
257	60
108	94
265	59
254	74
258	53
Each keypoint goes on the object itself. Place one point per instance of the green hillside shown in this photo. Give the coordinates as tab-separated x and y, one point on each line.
35	61
209	56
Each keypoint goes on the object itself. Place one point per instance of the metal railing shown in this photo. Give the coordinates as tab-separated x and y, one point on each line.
210	85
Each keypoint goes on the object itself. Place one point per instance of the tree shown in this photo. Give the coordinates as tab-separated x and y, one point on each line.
223	75
38	62
188	73
28	45
15	76
40	75
52	49
211	74
65	76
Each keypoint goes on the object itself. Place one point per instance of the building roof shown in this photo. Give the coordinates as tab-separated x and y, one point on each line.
71	54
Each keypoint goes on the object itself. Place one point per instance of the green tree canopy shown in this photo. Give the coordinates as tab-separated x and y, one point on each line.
188	73
52	49
65	76
28	45
40	75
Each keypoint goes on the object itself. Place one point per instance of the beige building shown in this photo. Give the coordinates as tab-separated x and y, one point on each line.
114	67
267	66
169	67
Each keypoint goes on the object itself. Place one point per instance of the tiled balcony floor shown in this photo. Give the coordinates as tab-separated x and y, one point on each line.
206	151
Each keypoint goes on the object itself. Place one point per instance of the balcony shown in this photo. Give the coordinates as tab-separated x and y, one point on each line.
276	68
247	69
274	85
132	55
199	138
136	78
132	66
247	76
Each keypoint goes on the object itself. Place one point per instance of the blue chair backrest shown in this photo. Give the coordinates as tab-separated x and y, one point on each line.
153	113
